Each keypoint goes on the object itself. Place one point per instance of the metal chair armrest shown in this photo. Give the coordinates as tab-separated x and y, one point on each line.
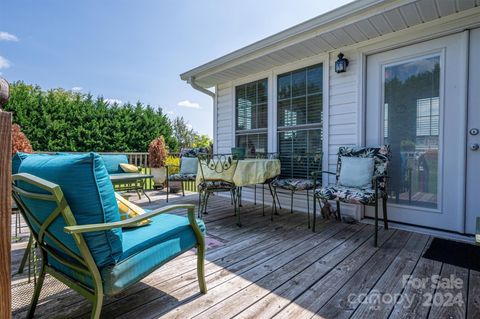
321	172
78	229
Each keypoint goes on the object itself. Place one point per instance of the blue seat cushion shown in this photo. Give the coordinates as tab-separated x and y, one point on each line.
113	161
89	193
147	248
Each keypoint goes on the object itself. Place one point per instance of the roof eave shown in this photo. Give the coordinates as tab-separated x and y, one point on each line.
344	11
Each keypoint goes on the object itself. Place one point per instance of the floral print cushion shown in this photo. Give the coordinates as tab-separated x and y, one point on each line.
193	152
215	185
182	177
345	194
293	184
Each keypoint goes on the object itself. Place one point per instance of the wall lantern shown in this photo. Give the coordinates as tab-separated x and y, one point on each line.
341	64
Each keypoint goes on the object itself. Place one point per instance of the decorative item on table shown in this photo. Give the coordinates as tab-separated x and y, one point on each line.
238	153
157	154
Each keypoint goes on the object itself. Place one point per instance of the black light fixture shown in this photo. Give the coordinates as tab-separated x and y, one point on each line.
341	64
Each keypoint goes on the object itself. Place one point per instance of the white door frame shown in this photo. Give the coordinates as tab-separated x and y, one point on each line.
453	51
472	209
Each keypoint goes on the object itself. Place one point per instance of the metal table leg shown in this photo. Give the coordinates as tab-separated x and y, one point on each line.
238	198
143	190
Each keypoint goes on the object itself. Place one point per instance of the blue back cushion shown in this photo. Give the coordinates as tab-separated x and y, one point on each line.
113	161
86	186
17	160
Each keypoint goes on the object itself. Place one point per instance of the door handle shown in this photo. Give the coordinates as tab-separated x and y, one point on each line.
474	147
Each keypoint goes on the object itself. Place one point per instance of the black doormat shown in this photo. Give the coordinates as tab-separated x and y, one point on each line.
454	253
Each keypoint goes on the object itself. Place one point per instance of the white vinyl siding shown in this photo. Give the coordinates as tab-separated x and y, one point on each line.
224	118
343	108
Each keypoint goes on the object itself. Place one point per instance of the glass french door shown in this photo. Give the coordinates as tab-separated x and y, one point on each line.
415	104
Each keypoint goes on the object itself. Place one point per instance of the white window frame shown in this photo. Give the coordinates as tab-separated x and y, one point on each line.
271	75
319	59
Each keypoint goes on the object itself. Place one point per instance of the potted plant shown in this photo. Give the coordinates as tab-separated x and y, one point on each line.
157	154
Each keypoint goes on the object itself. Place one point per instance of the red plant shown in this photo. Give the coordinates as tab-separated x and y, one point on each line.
157	152
20	142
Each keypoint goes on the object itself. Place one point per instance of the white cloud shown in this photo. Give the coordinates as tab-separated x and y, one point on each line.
77	88
189	126
189	104
4	63
112	101
5	36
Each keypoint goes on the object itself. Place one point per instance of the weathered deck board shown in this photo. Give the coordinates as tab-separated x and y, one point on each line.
279	298
308	303
391	284
442	305
473	308
425	269
281	269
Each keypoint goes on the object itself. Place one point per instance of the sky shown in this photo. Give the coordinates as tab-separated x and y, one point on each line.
130	51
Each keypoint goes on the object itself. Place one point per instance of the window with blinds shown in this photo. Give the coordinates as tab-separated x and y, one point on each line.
299	122
251	103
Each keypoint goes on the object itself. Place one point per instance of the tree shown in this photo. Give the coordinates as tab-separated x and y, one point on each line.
183	133
60	120
202	140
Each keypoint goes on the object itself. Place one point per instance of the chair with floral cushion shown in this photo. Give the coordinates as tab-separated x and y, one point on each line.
296	175
360	179
216	174
188	168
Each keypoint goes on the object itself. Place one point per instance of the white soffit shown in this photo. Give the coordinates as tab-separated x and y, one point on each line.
353	23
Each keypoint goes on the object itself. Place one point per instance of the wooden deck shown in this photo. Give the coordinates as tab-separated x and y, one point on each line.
281	269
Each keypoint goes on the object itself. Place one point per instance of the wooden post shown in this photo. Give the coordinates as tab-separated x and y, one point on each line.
5	212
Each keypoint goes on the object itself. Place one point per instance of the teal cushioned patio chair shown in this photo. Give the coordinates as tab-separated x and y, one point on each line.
74	218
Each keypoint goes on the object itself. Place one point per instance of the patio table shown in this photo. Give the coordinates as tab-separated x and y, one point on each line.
130	181
242	173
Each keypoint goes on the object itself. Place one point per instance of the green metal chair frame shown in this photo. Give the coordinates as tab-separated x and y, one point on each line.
168	167
84	262
167	181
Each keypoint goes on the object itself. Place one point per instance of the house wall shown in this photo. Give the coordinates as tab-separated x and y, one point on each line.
344	96
224	119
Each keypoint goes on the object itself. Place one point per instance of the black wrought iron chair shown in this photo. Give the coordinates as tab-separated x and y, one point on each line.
367	196
296	176
212	167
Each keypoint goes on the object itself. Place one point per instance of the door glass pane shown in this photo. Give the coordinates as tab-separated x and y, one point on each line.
412	127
